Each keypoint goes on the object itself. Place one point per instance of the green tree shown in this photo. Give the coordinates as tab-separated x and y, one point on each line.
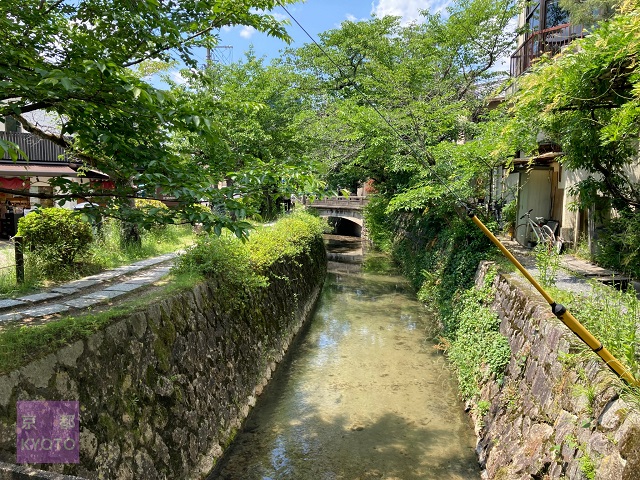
259	149
76	60
428	80
587	100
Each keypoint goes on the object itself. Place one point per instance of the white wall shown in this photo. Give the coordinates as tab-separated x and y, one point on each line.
534	193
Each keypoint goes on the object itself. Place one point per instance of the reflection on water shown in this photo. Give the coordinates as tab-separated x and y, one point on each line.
364	396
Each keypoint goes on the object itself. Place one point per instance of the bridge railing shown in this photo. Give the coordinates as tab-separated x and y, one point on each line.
351	201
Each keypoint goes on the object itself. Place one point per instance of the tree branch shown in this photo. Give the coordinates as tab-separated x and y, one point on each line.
158	51
51	7
66	196
31	128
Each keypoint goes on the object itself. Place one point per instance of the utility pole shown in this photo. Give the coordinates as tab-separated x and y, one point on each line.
221	54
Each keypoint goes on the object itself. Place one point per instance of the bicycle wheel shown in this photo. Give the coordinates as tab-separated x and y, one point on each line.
547	235
522	234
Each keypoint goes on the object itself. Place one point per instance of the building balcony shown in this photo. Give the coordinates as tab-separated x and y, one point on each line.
550	40
38	150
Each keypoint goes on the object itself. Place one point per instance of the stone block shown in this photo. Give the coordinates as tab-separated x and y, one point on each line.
600	444
613	414
83	302
84	283
139	325
10	303
11	317
630	451
105	294
124	287
7	384
70	354
611	467
41	297
39	373
45	310
65	290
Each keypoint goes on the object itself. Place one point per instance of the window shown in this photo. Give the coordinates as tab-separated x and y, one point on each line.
533	18
550	16
554	15
12	125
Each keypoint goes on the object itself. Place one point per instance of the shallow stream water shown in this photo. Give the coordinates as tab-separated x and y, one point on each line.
363	395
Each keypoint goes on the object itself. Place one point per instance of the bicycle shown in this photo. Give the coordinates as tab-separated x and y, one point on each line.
541	231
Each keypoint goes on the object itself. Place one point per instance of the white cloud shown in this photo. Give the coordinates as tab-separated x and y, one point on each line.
409	10
247	32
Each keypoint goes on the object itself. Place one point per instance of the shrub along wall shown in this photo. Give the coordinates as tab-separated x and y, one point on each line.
163	391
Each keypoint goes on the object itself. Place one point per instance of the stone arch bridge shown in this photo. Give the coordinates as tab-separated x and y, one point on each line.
345	213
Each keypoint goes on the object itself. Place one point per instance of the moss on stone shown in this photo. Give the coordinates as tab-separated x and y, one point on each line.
151	376
165	336
109	428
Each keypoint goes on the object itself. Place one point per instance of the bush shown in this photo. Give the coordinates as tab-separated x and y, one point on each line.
478	350
237	265
58	233
224	258
510	216
619	245
290	236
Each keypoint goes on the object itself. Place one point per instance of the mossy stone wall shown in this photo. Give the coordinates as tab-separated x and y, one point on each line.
163	391
555	415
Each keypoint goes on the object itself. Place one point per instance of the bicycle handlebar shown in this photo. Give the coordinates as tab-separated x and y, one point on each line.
526	214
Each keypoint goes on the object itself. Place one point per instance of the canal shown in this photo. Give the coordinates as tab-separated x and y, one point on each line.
363	394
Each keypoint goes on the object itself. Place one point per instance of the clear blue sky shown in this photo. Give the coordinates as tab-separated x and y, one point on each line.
317	16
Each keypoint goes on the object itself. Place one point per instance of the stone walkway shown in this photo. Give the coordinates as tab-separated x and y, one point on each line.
88	291
574	274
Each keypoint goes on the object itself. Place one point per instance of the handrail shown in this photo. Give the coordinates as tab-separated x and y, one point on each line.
337	201
550	40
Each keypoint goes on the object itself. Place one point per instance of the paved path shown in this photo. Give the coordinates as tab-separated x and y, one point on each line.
575	274
88	291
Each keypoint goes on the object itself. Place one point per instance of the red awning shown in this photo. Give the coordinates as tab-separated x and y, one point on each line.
14	183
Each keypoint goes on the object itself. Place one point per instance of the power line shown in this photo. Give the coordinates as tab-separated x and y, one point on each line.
394	130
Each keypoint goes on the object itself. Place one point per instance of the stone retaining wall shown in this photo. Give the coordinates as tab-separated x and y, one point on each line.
554	416
162	392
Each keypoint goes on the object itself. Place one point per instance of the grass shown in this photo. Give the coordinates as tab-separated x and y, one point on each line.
612	316
106	251
212	256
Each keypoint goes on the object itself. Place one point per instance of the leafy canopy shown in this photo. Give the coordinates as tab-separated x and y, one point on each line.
428	80
261	149
76	60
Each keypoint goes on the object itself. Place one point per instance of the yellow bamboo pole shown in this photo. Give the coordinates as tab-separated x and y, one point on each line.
562	313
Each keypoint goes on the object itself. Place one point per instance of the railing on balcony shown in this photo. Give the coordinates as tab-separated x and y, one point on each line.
38	150
550	40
